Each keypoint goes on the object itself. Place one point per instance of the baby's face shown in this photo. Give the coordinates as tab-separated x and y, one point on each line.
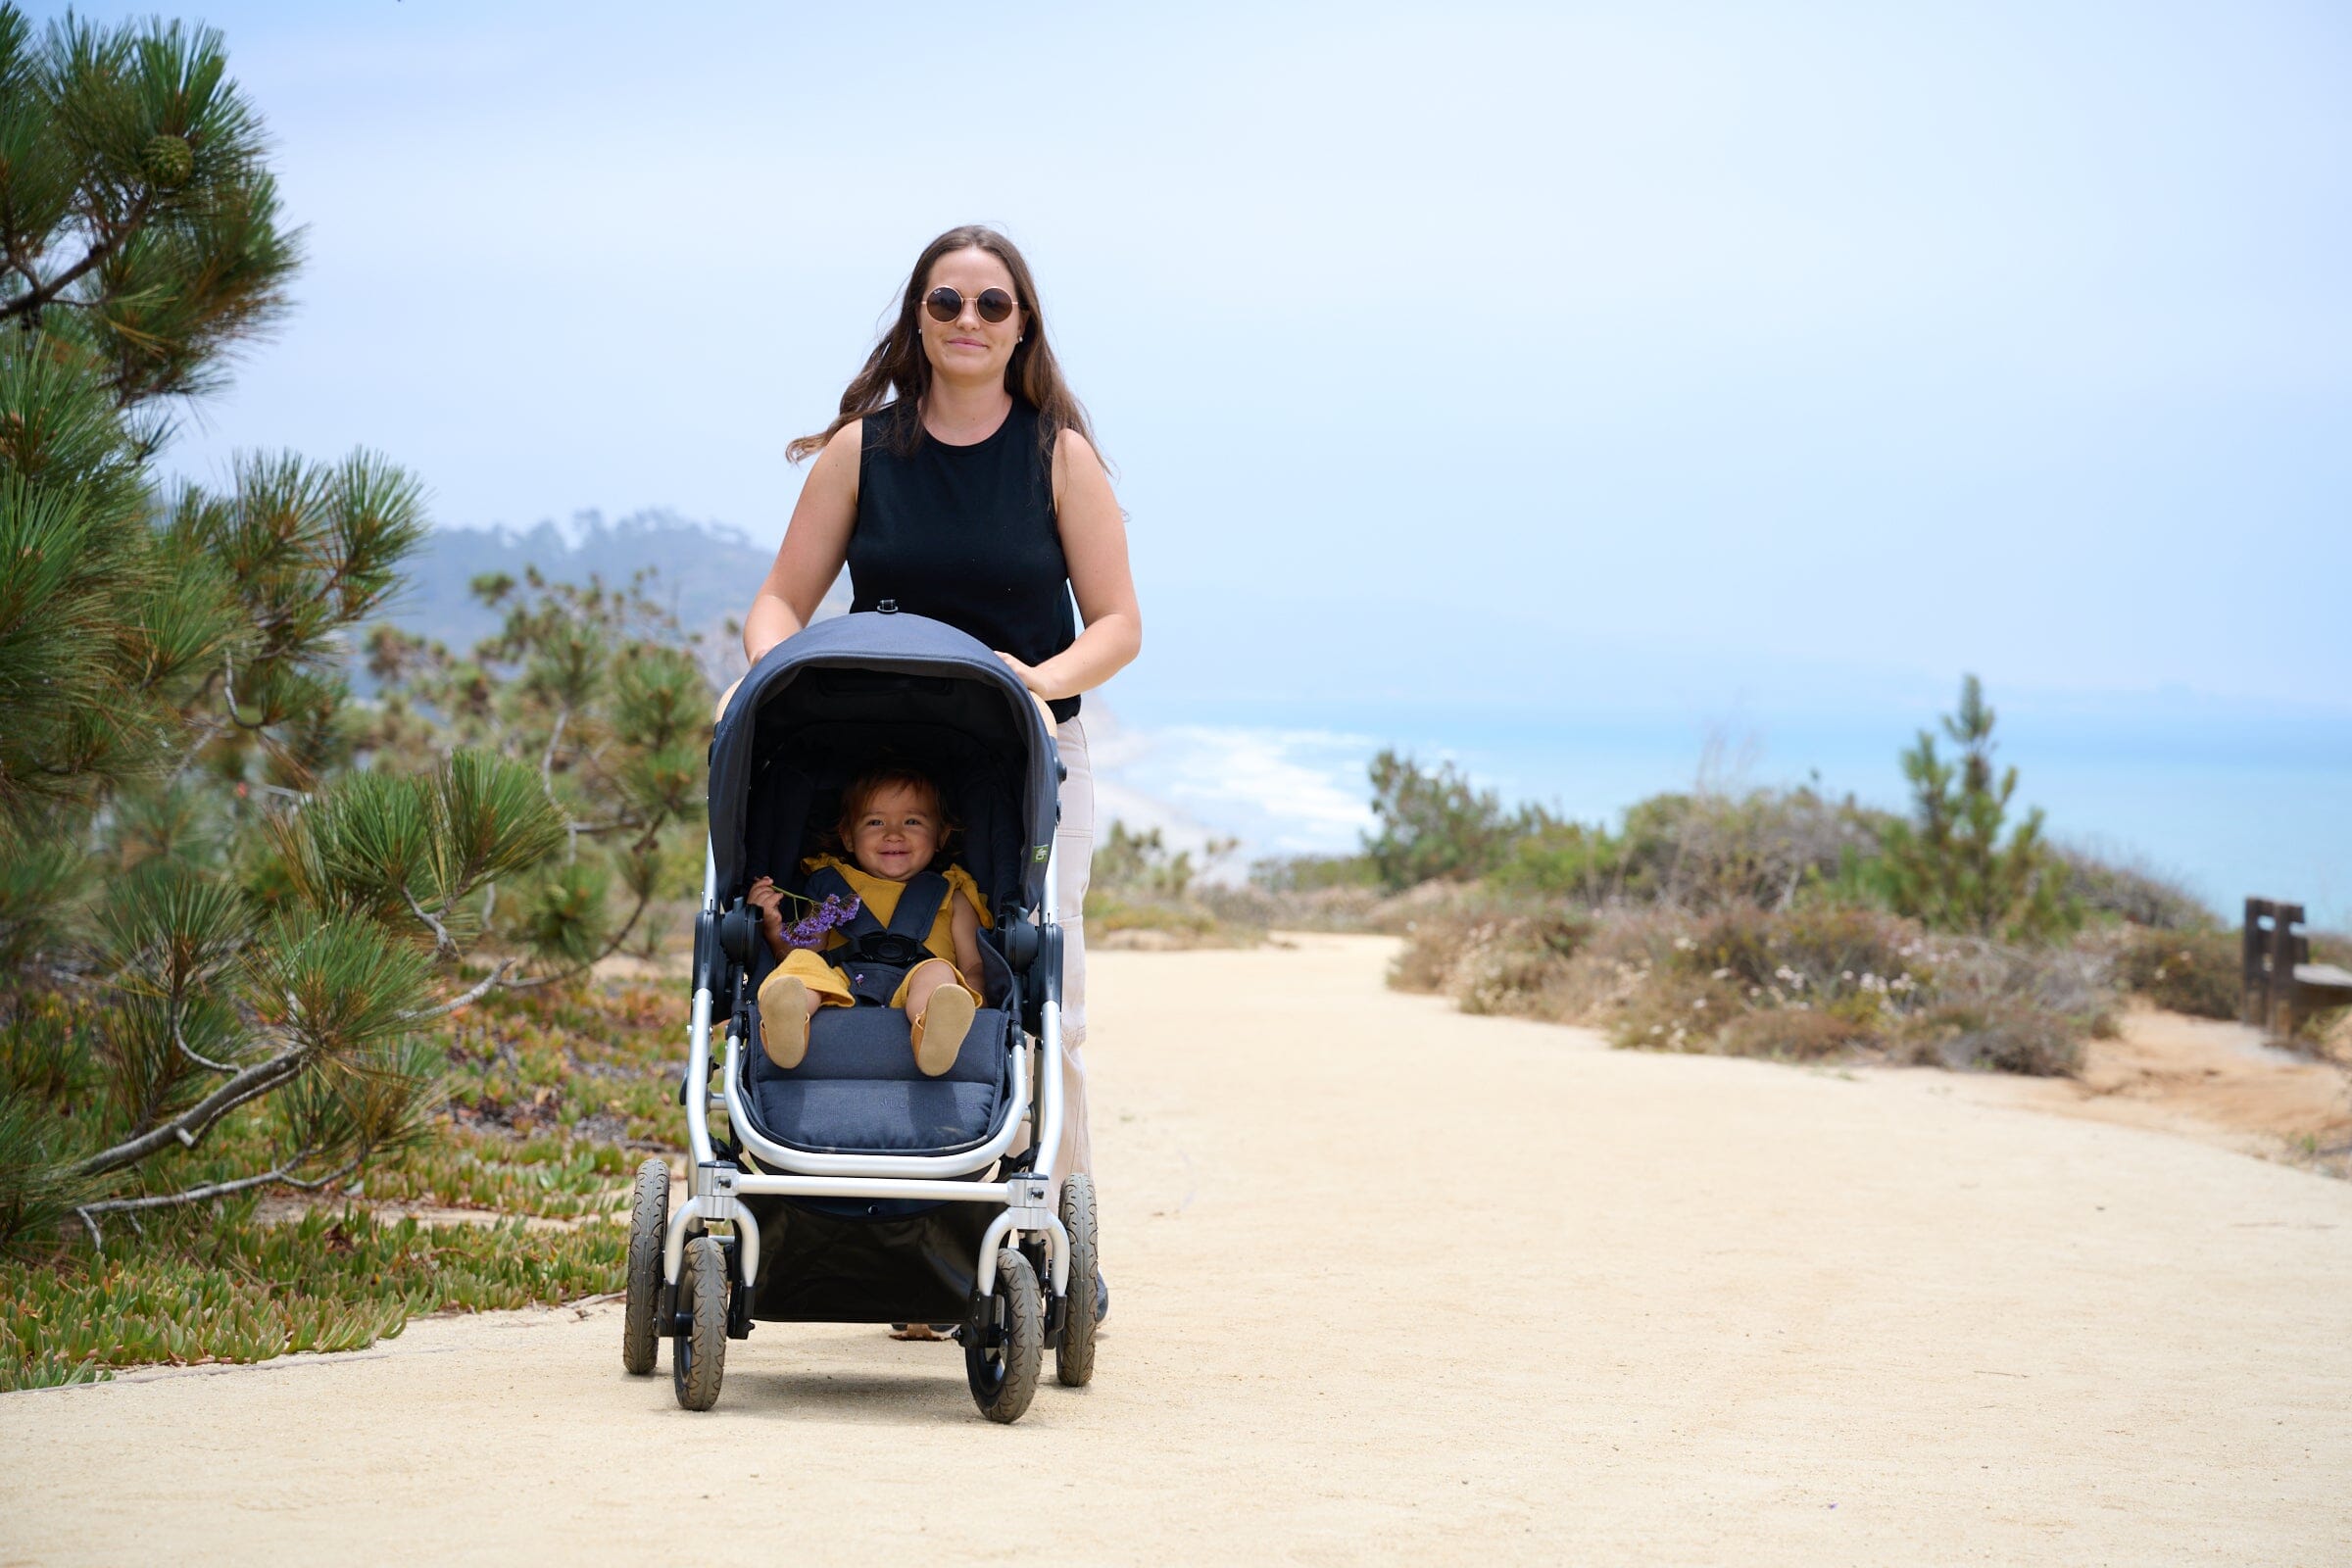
897	835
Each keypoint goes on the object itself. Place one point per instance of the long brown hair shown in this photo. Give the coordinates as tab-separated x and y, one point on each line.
899	368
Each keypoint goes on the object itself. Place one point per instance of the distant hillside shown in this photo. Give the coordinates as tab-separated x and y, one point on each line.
704	572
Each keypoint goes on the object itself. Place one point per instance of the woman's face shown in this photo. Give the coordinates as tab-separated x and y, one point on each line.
970	349
895	835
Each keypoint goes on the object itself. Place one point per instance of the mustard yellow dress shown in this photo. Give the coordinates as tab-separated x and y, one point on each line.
880	896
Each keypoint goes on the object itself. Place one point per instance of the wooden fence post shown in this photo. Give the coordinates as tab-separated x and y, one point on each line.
2254	999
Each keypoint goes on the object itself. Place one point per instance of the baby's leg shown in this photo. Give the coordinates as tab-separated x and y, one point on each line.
941	1013
790	997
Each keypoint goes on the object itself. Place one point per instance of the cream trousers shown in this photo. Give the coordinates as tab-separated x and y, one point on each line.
1074	856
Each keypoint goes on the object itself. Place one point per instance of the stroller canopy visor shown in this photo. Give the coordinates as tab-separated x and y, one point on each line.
844	693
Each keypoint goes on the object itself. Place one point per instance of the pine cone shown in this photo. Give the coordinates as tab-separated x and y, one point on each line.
169	160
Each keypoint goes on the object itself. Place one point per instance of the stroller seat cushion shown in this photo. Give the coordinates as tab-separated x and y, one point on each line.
859	1091
861	1116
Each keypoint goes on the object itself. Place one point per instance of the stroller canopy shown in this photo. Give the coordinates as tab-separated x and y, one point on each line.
846	694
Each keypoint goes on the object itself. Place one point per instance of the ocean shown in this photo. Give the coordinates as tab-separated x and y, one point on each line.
2227	802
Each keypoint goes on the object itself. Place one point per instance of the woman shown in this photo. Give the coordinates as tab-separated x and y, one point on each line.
960	480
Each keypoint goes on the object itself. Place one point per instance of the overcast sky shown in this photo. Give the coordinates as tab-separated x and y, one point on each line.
1470	355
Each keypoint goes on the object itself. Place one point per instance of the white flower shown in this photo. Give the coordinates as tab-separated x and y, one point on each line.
1726	974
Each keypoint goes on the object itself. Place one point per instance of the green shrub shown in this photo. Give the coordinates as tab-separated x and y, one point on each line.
2001	1036
1515	944
1811	951
1794	1034
2196	972
1809	983
2133	894
1675	1010
1524	967
1432	824
1313	873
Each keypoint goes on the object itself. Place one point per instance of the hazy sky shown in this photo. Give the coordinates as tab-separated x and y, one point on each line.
1510	357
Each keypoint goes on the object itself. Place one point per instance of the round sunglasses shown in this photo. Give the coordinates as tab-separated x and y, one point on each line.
946	303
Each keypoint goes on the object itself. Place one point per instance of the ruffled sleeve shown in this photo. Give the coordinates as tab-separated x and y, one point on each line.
960	881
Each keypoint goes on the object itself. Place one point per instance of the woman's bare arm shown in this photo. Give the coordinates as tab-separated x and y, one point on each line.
816	544
1093	542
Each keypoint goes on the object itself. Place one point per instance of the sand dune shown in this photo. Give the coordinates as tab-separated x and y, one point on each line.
1391	1283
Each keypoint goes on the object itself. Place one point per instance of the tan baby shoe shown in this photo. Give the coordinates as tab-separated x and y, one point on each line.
784	1020
938	1035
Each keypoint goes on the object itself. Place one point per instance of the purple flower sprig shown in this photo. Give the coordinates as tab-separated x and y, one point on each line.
811	930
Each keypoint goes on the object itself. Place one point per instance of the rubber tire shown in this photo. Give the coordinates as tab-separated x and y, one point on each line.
649	1227
1074	1356
698	1357
1003	1388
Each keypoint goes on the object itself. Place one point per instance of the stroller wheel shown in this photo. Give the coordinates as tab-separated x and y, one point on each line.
1005	1342
698	1351
1074	1356
649	1224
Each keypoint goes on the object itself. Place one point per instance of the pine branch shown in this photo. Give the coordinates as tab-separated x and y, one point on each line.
40	294
611	948
190	1125
555	738
443	941
495	978
281	1175
190	1051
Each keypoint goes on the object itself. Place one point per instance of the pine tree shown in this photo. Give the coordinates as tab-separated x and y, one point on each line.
592	686
205	916
1948	866
139	218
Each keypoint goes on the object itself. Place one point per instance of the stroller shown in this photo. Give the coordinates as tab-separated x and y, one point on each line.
852	1188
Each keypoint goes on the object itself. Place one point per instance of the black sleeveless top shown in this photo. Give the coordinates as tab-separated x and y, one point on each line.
965	535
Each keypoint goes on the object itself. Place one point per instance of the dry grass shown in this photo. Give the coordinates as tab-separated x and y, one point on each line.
1803	983
2196	972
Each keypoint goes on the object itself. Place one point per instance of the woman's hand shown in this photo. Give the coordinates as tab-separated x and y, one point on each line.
1029	677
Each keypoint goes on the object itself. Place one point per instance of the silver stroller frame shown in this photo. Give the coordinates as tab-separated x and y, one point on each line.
713	1184
695	1277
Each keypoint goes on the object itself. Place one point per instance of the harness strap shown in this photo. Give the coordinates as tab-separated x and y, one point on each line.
917	909
882	955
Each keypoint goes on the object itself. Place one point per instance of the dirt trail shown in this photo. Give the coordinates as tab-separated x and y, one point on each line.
1391	1283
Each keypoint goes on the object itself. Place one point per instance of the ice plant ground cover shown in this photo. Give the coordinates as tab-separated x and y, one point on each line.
551	1098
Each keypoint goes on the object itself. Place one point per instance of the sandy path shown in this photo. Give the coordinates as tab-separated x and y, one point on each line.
1391	1283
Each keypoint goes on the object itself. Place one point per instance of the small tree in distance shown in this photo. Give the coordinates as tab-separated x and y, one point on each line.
1433	824
1949	865
593	687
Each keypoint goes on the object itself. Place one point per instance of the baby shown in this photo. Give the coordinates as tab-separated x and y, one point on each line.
893	826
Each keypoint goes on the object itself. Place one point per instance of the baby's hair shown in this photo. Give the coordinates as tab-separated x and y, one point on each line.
861	792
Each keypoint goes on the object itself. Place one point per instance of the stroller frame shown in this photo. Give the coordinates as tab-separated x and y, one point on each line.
715	1185
694	1272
